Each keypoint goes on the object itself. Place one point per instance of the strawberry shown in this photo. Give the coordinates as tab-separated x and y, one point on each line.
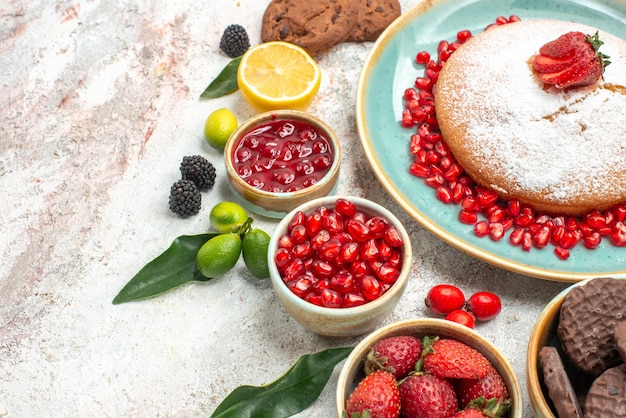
453	359
571	60
470	413
397	355
376	396
427	396
488	387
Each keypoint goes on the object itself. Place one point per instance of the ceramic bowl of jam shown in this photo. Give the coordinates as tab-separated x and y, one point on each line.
278	160
339	264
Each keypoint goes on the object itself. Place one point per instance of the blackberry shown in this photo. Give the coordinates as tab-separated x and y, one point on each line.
234	41
197	169
185	198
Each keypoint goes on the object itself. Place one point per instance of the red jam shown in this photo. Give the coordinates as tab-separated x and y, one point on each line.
283	156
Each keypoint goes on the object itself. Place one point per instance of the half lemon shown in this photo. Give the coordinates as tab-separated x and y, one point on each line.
278	75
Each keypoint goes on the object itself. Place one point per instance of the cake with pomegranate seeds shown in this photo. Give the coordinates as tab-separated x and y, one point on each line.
556	147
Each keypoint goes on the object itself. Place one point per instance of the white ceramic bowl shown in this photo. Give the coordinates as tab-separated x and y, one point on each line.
277	205
352	370
340	322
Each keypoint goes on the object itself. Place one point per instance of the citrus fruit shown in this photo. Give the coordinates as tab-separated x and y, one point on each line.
254	251
278	75
227	216
218	255
219	125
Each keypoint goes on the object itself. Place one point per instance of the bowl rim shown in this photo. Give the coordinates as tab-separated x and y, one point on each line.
372	207
400	328
277	115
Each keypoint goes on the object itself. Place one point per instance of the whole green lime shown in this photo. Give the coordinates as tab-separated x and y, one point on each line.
218	255
227	217
218	127
254	250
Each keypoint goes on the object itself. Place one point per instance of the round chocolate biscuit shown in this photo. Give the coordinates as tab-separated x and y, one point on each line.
587	318
373	17
559	386
607	394
316	26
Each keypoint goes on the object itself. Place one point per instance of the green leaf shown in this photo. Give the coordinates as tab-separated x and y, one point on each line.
293	392
225	83
174	267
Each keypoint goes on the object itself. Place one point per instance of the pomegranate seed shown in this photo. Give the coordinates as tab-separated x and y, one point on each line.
468	217
282	258
557	235
619	212
393	237
298	219
360	268
542	237
298	234
514	18
496	231
294	269
523	220
349	252
569	240
486	197
571	224
351	300
384	249
395	259
331	298
592	241
407	119
343	282
318	240
595	219
618	234
444	55
377	226
330	250
422	57
423	83
516	236
314	299
322	269
496	215
481	228
370	287
285	241
419	170
463	35
469	204
303	250
513	207
369	250
501	20
562	253
444	194
411	94
358	230
527	241
433	76
435	180
386	273
300	286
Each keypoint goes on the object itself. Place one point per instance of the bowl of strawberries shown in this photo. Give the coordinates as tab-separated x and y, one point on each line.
428	367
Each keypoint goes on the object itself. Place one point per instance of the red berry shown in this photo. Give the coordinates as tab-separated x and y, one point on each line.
444	298
426	395
484	305
462	317
397	355
376	393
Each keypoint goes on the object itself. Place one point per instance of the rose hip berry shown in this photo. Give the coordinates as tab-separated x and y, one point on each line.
484	305
283	156
444	298
490	216
462	317
339	257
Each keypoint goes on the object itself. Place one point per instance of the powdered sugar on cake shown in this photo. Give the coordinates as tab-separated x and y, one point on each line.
561	146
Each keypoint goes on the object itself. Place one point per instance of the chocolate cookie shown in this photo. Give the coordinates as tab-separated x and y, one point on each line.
373	16
619	335
316	26
559	386
587	318
607	394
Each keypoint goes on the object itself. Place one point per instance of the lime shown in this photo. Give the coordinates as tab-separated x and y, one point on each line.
218	127
218	255
254	250
227	217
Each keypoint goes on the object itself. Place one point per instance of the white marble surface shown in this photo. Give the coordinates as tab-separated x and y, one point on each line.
98	105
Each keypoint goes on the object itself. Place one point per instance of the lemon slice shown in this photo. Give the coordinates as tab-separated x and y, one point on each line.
278	75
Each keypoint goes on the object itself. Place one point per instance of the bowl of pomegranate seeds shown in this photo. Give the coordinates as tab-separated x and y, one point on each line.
575	362
339	265
428	367
278	160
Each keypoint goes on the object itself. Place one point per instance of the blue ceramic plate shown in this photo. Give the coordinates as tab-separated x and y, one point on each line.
390	69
